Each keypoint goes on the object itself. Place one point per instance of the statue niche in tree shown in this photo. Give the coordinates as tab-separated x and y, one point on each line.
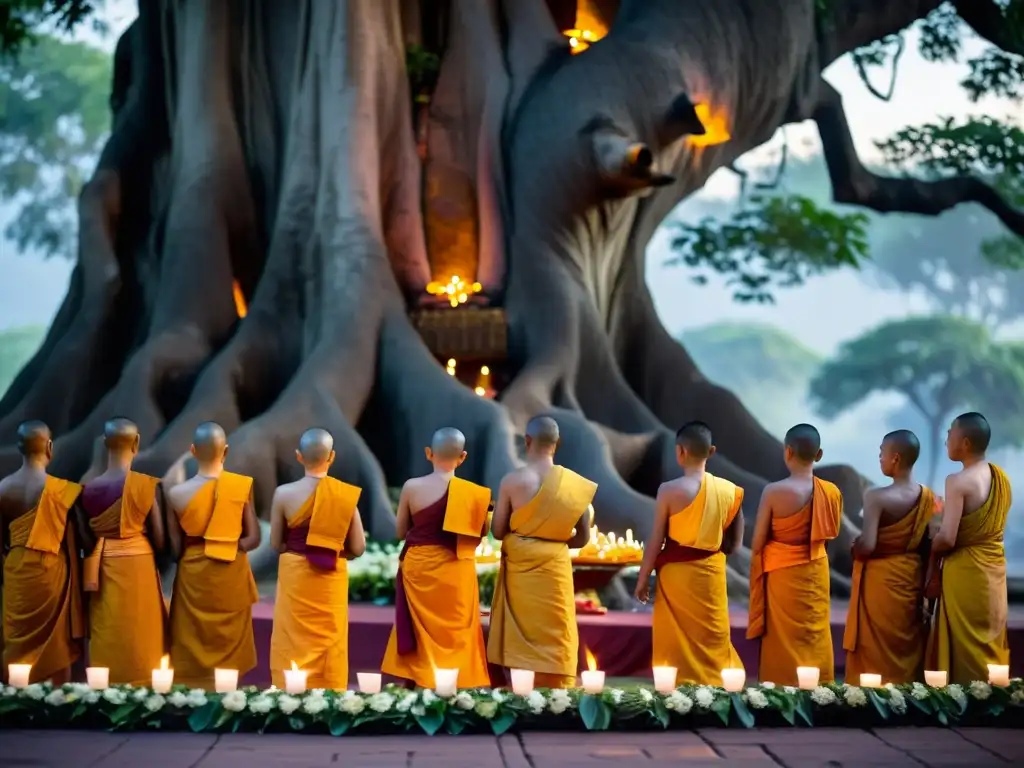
270	146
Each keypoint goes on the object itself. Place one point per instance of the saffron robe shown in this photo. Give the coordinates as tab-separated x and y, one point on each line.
884	633
691	629
789	591
43	617
533	615
311	607
214	589
969	626
437	596
127	613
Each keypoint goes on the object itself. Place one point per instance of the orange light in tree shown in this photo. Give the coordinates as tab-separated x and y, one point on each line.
716	126
579	39
240	306
457	291
450	368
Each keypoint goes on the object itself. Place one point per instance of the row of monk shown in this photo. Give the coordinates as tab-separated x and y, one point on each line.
909	558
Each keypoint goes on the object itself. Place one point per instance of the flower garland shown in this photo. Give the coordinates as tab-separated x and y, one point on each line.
396	709
371	576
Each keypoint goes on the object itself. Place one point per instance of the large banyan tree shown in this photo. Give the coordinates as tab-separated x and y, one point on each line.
288	183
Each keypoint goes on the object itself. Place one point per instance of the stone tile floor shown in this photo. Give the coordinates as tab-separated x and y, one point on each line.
975	747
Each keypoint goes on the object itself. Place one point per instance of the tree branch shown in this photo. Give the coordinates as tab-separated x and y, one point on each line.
854	184
850	24
991	22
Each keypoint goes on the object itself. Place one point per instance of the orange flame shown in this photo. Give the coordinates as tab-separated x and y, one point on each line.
295	667
165	662
716	126
240	306
591	659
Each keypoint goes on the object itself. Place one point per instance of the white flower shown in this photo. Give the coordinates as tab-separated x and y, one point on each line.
197	698
287	703
418	710
178	700
155	702
427	696
56	698
463	700
381	702
78	689
616	694
91	697
140	694
679	701
705	697
351	705
314	704
36	692
486	709
498	695
234	701
646	696
559	701
756	698
536	701
956	692
1017	697
261	705
919	692
115	696
897	700
823	696
405	703
854	696
769	686
980	690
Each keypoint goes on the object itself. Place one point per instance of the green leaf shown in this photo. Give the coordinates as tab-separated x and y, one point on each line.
340	723
596	715
430	722
787	708
455	725
502	722
296	723
202	718
743	713
922	706
222	718
805	708
121	715
660	713
722	707
881	706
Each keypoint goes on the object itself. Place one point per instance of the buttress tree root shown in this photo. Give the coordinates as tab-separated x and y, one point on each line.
267	149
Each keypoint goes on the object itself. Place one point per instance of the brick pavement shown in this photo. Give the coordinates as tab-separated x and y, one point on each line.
805	748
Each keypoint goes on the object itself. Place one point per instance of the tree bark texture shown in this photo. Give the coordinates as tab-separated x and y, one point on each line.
270	142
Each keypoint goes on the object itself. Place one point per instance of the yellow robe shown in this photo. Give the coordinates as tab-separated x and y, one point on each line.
214	590
127	613
43	619
969	628
790	604
691	609
311	608
884	634
533	616
443	596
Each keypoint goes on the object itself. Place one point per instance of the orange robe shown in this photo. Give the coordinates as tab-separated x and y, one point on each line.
884	633
214	590
311	607
43	617
437	601
790	603
969	628
691	608
533	616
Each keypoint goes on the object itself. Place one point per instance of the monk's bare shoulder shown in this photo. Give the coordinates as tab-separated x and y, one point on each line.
676	493
181	494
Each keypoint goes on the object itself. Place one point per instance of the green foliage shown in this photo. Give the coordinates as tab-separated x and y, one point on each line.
16	348
422	66
771	242
54	118
20	20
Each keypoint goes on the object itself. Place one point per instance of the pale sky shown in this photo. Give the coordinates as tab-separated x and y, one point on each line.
924	92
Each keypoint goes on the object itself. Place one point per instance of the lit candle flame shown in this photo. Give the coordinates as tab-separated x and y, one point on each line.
240	306
716	126
455	291
591	659
165	662
295	667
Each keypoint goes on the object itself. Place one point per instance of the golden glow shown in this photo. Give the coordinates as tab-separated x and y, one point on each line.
240	306
295	667
609	548
485	371
165	662
456	290
579	39
716	126
450	368
480	391
589	27
591	659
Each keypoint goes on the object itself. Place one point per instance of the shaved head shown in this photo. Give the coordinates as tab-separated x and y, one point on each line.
904	444
209	441
805	442
448	443
316	446
695	438
120	434
543	431
974	428
34	438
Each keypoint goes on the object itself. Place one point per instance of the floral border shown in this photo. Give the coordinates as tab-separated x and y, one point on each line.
397	710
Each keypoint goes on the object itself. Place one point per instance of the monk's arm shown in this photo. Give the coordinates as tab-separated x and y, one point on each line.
581	534
403	520
355	539
945	539
173	530
251	533
155	524
277	523
86	538
732	539
865	544
763	522
653	545
502	512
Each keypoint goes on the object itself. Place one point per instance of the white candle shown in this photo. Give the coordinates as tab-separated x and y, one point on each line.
98	678
999	674
807	677
18	674
936	679
369	682
446	681
733	679
163	678
868	680
294	680
664	679
225	680
593	680
522	681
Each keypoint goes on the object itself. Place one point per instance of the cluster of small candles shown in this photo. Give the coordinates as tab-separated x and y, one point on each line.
456	290
609	548
483	381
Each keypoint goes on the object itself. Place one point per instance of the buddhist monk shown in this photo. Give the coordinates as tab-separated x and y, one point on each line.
543	510
43	618
315	524
885	631
697	521
437	598
123	527
212	527
790	607
969	627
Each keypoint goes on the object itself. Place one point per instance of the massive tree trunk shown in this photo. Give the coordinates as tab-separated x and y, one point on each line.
271	144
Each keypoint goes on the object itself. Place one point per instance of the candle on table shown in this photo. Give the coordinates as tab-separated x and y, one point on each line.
369	682
593	678
733	679
446	682
936	678
868	680
522	681
294	680
664	679
225	680
999	674
18	674
98	678
807	677
163	678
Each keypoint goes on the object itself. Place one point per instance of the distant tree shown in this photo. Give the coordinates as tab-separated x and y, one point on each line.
21	20
941	364
54	119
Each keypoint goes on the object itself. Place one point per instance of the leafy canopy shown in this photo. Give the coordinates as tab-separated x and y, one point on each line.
21	20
